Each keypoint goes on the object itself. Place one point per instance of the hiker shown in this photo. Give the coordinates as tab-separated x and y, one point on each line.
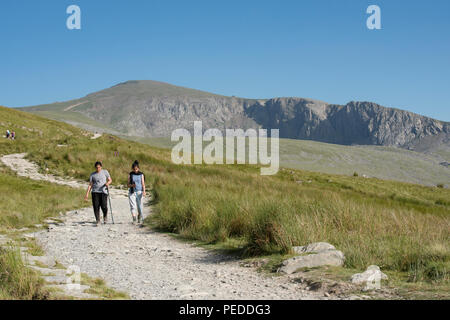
98	184
7	134
136	185
13	135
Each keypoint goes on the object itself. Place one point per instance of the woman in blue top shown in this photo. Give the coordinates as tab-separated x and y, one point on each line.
136	185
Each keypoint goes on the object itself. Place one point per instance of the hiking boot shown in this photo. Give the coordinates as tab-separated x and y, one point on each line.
105	220
134	219
97	223
140	220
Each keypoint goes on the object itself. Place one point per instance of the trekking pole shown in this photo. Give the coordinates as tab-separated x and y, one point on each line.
110	206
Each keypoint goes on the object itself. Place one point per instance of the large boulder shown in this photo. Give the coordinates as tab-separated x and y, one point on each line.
313	255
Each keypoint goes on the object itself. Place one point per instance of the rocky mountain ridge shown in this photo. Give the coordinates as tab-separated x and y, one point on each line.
155	109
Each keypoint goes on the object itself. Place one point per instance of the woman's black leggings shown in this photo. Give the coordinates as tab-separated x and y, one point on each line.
100	200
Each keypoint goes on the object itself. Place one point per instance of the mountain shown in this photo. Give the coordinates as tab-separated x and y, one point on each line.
155	109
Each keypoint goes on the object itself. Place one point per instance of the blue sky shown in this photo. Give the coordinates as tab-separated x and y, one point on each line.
249	48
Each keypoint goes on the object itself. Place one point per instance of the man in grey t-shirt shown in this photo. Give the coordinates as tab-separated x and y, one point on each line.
98	183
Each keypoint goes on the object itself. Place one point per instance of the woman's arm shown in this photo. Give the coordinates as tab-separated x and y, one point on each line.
143	185
86	197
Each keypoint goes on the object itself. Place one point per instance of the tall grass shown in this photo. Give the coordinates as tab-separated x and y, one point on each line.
24	202
16	280
274	214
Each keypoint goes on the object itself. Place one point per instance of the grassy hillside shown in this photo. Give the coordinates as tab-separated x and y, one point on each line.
112	106
72	117
374	161
24	203
400	227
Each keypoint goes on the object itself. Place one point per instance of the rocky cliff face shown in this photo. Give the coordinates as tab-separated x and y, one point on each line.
149	108
355	123
159	116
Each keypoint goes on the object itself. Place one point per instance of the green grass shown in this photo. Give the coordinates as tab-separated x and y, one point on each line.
386	163
406	232
74	117
16	280
34	249
401	227
24	203
42	200
99	288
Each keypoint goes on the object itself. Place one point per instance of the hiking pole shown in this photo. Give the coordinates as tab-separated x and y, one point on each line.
110	206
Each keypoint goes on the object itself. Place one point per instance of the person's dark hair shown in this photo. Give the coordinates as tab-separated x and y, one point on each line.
98	163
135	164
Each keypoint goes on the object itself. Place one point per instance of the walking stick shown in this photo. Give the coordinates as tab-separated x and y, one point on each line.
109	199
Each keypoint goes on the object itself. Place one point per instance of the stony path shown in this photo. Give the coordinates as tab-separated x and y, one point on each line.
74	105
25	168
148	264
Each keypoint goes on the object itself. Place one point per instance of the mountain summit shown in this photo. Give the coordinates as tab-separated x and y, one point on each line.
155	109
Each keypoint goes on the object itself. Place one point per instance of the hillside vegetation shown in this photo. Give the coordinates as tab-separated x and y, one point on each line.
400	227
388	163
25	203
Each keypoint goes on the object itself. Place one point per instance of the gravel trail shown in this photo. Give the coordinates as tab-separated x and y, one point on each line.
147	264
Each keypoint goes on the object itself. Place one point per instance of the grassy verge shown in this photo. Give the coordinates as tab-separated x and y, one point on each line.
35	202
16	280
24	202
